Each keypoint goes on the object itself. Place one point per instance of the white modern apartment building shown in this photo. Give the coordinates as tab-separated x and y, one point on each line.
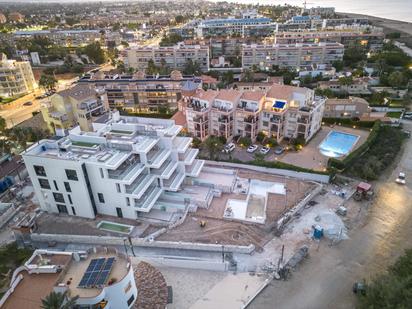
290	55
369	36
101	278
123	168
16	77
280	112
174	57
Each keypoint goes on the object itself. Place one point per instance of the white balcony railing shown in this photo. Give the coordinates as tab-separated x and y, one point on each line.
166	170
173	183
157	159
195	169
140	185
146	202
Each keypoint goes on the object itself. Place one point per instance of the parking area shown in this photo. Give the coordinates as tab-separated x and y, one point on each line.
308	157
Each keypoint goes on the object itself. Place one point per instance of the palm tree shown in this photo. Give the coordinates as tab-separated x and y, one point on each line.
57	300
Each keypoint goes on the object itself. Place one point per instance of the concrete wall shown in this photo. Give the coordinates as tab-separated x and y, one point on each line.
115	241
275	171
7	215
184	263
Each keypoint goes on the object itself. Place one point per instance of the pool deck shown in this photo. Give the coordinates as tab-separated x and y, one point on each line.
310	156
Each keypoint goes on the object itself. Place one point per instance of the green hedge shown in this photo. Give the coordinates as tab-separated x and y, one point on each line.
343	164
348	122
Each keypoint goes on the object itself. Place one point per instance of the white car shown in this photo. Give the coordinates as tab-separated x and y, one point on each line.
401	179
252	148
264	150
229	148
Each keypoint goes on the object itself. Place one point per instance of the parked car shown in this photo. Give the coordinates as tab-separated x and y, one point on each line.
408	117
229	148
252	148
279	150
401	178
264	150
29	103
359	287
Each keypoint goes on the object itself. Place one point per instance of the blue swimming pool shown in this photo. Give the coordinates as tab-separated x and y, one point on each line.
337	144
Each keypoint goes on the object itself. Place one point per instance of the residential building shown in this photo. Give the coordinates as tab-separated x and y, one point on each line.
126	167
70	38
280	112
334	22
174	57
3	19
244	27
78	105
371	37
325	70
143	93
308	21
353	107
325	12
290	55
16	77
357	86
100	277
16	17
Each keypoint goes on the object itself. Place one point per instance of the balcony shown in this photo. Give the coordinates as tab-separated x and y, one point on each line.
127	174
174	182
197	108
225	119
156	157
250	119
303	120
166	170
189	156
195	169
200	119
139	186
90	105
181	144
148	199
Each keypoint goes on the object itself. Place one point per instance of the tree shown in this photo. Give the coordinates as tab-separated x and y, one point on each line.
228	78
346	80
192	68
56	300
245	141
151	69
196	142
353	55
95	53
396	79
3	124
213	145
47	82
247	76
171	40
179	19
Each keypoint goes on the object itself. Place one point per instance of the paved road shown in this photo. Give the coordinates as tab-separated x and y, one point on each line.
326	278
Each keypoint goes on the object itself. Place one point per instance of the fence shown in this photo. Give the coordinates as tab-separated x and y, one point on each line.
276	171
140	242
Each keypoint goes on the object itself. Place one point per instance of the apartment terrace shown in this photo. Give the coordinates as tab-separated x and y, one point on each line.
140	184
189	156
166	170
156	156
181	144
148	199
195	169
174	182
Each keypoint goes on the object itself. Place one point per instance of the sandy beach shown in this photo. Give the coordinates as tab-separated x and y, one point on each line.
389	26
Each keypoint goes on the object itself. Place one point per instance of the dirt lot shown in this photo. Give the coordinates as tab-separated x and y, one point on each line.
222	231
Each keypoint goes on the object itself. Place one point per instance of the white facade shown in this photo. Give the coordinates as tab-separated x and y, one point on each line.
16	77
122	168
290	55
174	57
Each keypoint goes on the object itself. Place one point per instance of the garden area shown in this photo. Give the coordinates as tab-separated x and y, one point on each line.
10	258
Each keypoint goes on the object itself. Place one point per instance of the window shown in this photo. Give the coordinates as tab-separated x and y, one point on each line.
118	188
70	198
101	172
74	211
130	300
119	212
101	197
44	183
55	185
40	171
62	209
127	201
58	197
67	186
71	175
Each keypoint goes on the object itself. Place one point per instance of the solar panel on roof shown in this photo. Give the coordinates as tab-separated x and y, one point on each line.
97	272
104	274
279	104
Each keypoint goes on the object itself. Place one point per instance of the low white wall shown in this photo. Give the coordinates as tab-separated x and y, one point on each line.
276	171
184	263
114	241
7	215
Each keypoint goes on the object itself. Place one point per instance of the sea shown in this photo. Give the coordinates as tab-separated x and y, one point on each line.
391	9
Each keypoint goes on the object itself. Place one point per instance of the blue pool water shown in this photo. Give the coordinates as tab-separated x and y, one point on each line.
337	144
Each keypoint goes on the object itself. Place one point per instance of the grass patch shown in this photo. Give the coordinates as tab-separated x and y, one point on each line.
114	227
83	144
392	289
394	114
380	153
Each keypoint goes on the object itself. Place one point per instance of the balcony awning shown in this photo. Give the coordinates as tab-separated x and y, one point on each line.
279	104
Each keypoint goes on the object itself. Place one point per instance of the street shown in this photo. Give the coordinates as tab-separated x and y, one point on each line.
325	279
